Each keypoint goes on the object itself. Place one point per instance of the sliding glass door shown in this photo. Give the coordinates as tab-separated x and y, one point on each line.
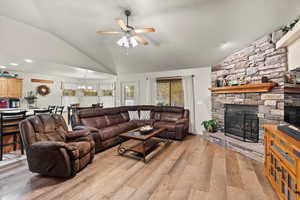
170	92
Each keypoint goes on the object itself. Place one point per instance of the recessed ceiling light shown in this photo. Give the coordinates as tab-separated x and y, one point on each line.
2	67
14	64
226	45
28	60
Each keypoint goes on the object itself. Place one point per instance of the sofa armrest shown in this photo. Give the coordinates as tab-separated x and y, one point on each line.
51	146
86	128
79	136
77	133
182	121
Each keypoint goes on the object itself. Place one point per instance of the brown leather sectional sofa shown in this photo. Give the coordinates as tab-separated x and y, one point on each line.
106	124
51	149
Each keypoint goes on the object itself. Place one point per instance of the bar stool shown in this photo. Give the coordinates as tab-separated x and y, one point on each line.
9	126
59	110
71	109
37	112
51	108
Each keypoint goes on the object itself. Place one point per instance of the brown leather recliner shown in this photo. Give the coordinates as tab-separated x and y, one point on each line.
51	149
106	124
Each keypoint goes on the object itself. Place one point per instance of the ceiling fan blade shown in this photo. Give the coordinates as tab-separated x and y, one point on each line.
108	32
121	24
144	30
140	40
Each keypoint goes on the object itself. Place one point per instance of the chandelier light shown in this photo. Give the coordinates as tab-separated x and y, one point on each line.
84	86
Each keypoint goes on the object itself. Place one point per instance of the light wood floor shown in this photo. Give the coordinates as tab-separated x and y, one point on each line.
194	169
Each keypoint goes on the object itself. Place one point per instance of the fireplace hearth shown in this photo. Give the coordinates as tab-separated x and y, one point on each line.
241	122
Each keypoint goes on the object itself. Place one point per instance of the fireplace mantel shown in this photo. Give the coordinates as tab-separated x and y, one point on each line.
249	88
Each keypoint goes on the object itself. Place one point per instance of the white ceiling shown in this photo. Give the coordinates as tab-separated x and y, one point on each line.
54	69
190	33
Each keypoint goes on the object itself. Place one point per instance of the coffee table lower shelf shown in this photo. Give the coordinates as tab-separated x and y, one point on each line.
144	150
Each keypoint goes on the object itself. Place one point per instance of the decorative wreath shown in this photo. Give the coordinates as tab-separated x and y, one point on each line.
43	90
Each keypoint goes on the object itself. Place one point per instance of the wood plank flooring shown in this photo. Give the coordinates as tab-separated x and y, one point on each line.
193	170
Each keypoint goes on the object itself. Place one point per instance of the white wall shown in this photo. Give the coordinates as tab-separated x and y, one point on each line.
201	85
55	97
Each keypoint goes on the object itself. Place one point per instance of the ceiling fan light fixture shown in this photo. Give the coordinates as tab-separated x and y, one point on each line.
133	42
127	42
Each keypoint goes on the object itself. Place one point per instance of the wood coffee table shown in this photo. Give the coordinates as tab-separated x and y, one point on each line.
146	145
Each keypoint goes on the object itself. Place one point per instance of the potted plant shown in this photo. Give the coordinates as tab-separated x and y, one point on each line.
210	125
31	97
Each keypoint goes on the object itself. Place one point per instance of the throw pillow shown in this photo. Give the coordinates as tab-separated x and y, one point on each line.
145	114
133	115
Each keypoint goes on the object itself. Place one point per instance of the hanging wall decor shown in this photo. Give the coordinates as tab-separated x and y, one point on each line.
43	90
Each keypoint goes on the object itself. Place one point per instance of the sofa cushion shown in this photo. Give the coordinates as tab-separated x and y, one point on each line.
125	116
140	123
127	126
36	123
90	112
145	114
109	132
170	116
48	122
96	122
171	126
101	122
114	119
133	115
49	136
156	116
172	109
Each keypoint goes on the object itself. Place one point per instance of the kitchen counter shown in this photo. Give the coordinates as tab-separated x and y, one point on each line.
29	111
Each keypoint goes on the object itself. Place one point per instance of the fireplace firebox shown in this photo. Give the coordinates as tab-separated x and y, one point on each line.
241	122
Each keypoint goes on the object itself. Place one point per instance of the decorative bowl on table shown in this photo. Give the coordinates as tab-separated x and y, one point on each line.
146	130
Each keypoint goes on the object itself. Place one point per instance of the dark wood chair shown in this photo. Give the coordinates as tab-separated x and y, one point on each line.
52	108
37	112
9	126
59	110
71	108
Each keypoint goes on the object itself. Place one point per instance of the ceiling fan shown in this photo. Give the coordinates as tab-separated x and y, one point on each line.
131	37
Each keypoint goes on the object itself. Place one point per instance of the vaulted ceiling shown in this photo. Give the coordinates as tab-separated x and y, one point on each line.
189	33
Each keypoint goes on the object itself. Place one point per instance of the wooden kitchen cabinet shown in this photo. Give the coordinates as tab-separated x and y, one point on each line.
3	87
14	88
11	87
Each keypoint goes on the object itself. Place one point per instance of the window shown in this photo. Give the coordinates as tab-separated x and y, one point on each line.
129	93
170	92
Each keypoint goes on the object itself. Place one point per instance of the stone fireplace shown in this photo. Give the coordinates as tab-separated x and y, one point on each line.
241	122
257	60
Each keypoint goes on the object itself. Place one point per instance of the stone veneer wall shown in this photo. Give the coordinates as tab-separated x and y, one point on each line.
258	59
